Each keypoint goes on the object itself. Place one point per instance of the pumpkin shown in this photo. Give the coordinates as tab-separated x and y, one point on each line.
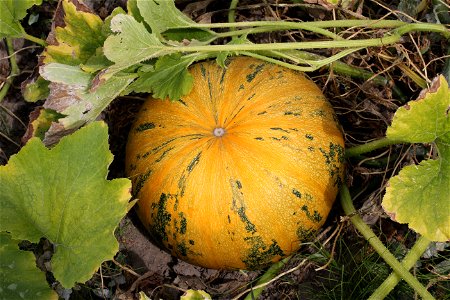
241	170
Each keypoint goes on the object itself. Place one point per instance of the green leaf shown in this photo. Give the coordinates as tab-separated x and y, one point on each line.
161	15
169	78
35	89
107	24
67	74
131	45
419	195
11	12
133	10
78	40
195	295
96	62
189	34
19	276
78	95
40	121
424	120
222	56
143	296
71	62
62	194
94	101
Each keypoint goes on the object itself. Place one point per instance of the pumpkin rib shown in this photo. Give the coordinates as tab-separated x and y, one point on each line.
276	171
290	160
250	196
267	94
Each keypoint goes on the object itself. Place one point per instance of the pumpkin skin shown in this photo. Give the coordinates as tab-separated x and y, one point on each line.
241	170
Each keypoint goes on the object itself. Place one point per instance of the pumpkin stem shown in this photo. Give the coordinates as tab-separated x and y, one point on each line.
219	131
400	269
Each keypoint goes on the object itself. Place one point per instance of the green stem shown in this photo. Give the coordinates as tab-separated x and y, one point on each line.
388	39
373	240
319	24
314	64
425	27
303	57
286	46
342	68
408	262
199	57
285	25
232	19
370	146
14	68
232	11
34	39
338	67
275	27
302	26
266	277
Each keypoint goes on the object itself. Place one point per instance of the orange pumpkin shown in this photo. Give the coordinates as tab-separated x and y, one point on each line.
241	170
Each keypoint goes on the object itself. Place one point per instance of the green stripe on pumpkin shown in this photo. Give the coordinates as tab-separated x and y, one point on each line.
296	193
145	126
249	226
315	217
260	254
334	159
258	69
183	223
162	218
141	179
194	162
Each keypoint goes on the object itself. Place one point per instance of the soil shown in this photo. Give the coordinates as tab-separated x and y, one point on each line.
363	108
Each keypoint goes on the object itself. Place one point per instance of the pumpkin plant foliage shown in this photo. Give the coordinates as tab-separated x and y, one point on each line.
70	48
62	194
420	195
162	15
195	295
133	51
135	42
71	64
11	13
169	71
19	277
